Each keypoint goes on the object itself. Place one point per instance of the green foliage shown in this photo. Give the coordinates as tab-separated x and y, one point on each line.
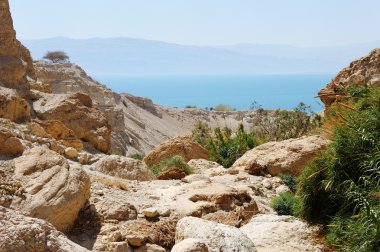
137	156
342	185
280	125
223	107
175	161
290	181
285	203
57	57
224	146
191	107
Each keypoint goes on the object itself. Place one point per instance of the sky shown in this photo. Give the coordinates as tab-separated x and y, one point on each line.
307	23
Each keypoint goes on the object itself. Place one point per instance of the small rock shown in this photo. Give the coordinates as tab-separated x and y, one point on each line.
151	212
267	184
136	240
150	248
190	245
71	152
99	192
119	247
115	237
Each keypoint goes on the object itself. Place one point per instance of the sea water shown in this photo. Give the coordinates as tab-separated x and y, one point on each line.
237	91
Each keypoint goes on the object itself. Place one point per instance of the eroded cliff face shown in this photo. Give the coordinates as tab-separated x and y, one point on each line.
15	60
360	72
138	125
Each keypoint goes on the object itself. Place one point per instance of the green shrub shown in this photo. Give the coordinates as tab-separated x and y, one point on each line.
175	161
344	181
290	181
280	125
137	156
224	146
285	203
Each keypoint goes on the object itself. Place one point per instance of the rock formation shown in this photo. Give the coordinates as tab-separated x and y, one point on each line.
15	60
360	72
19	233
54	190
123	167
77	113
224	238
185	147
289	156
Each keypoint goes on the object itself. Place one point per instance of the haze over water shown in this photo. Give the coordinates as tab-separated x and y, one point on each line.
238	91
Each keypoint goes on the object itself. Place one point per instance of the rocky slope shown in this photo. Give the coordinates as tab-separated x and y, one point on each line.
137	124
360	72
61	191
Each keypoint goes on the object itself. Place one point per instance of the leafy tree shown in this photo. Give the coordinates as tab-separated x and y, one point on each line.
57	57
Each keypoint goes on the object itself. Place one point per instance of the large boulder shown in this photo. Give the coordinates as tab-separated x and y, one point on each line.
12	106
78	114
54	190
218	237
185	147
123	167
9	143
289	156
19	233
271	232
360	72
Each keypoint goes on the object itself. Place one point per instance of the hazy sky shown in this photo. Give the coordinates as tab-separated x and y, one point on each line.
203	22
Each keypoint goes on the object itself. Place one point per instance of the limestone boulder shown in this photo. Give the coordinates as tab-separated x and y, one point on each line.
123	167
202	165
289	156
54	189
218	237
359	72
185	147
190	245
19	233
271	232
9	143
76	112
12	106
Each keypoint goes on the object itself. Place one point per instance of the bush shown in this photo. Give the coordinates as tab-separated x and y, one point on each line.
223	107
280	125
342	185
285	203
290	181
57	57
175	161
224	147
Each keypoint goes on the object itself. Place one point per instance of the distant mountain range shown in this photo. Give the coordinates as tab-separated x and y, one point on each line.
109	56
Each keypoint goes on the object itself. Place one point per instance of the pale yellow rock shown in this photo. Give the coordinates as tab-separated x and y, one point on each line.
123	167
289	156
185	147
54	190
360	72
9	144
71	153
12	106
19	233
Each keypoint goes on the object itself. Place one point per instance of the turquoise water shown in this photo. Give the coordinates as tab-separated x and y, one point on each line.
238	91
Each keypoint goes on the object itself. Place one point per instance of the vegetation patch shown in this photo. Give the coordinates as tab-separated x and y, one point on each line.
224	146
175	161
285	203
341	188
